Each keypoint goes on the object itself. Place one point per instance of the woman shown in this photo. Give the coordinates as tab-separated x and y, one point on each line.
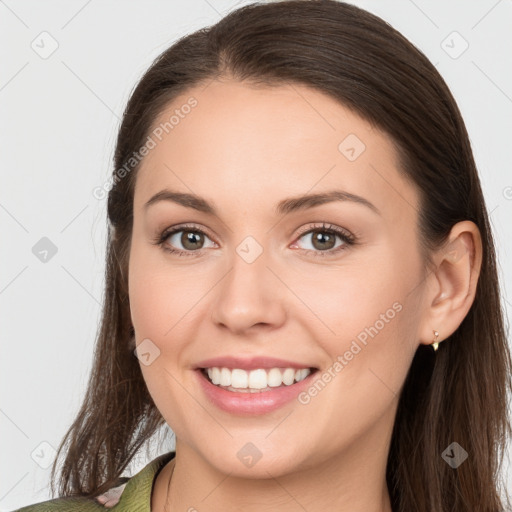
301	282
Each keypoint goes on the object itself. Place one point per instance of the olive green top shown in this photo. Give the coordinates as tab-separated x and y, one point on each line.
135	494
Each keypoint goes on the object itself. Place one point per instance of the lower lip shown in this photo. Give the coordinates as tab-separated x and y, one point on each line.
252	403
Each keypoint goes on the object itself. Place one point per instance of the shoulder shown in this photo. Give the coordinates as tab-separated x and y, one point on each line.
135	490
99	503
65	505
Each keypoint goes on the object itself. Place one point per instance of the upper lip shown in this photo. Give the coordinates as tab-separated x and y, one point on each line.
249	363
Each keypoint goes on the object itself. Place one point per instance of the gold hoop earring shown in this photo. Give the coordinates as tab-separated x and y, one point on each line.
435	343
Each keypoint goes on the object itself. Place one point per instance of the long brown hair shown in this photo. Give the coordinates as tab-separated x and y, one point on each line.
458	393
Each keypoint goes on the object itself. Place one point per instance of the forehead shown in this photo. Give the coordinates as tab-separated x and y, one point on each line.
244	144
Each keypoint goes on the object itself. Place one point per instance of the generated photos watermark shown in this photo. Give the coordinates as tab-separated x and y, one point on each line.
343	360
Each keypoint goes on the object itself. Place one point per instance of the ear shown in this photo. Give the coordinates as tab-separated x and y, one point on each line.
451	286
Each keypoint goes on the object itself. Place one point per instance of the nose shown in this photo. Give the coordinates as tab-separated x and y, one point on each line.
249	297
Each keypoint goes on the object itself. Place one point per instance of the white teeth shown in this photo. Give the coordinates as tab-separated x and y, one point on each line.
274	378
225	377
256	379
239	378
288	376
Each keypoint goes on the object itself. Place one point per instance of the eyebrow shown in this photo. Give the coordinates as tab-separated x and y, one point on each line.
284	207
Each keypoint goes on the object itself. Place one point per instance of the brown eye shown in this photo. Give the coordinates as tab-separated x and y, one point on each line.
192	240
323	240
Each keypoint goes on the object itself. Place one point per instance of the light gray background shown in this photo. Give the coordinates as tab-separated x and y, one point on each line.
59	117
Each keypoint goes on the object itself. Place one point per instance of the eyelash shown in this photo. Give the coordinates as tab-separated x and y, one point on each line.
348	239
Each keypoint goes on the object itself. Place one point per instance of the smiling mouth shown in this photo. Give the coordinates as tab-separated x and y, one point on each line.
255	381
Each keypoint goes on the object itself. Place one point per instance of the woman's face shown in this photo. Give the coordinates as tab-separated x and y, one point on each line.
264	274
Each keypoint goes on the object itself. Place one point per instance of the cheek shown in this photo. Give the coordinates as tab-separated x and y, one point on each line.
150	307
365	315
158	309
345	300
159	294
